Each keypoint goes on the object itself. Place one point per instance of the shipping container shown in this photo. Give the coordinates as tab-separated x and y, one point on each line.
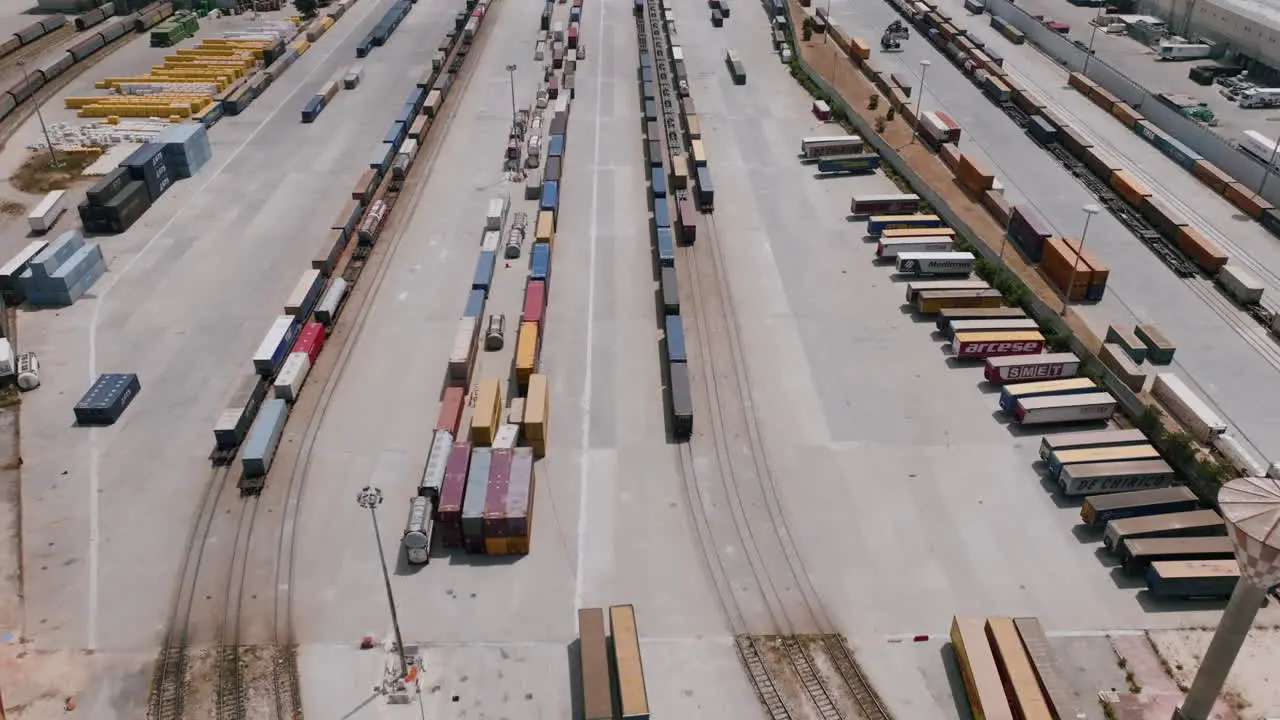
1041	131
973	176
1011	394
305	294
1098	510
540	262
310	341
1245	199
1240	285
899	203
232	425
483	276
495	503
915	288
464	349
534	425
1099	478
1192	523
330	303
1127	338
452	403
1116	359
889	248
1029	231
1022	368
983	686
1027	698
681	400
1126	115
998	205
1162	217
633	698
877	224
535	302
1090	407
107	398
593	663
947	317
1201	421
264	437
1211	175
432	481
275	345
474	499
288	383
526	361
1159	350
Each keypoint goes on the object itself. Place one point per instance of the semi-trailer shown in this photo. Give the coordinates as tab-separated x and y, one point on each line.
892	247
877	224
915	288
275	346
978	345
1050	444
1137	554
948	316
1011	394
1193	579
1020	368
936	263
1011	324
1098	510
1099	478
929	302
1193	523
1087	407
1203	423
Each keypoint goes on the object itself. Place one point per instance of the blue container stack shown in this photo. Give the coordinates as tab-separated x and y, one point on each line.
186	149
63	271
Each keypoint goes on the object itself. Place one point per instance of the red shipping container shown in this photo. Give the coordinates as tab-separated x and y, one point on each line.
453	491
573	37
535	300
310	340
688	220
451	410
495	502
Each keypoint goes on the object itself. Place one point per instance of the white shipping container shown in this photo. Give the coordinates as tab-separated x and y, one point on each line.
506	437
327	308
1084	407
1187	407
464	345
892	247
539	51
1259	146
492	238
557	31
409	147
942	263
677	52
497	214
562	102
1240	285
1240	458
47	212
994	325
1112	477
289	382
932	126
266	352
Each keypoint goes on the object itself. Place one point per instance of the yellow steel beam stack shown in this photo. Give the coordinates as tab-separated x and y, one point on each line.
143	106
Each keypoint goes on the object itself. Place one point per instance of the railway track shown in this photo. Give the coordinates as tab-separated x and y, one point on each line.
244	512
9	71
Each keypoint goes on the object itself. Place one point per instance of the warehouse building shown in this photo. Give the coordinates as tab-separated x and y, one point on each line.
1249	30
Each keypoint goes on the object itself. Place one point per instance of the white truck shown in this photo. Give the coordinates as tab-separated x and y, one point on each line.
47	212
1259	98
1182	51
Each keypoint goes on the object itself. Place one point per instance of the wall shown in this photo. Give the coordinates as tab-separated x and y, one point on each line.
1213	147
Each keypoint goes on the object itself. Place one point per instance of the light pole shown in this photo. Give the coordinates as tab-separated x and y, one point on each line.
511	72
53	156
1266	171
1089	211
915	125
1251	508
370	498
1089	53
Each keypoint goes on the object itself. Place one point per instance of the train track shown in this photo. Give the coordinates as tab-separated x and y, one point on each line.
168	699
9	71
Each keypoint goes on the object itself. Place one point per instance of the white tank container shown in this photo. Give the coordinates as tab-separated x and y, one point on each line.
28	371
292	375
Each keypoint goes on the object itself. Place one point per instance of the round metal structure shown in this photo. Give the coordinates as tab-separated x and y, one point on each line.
370	497
1251	507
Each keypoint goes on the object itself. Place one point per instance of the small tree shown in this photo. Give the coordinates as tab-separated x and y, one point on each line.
881	123
874	102
306	8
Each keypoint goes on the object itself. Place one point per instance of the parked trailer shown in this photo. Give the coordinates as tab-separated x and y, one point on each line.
1012	324
949	316
985	691
276	345
1011	394
1187	407
892	247
939	263
1098	510
1088	407
877	224
1099	478
975	345
812	148
1021	368
1083	456
1193	523
929	302
884	204
1193	579
1138	554
915	288
1050	444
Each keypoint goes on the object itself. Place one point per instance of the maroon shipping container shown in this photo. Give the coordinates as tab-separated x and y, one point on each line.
688	221
535	300
495	502
572	38
1029	231
451	409
310	340
520	494
452	492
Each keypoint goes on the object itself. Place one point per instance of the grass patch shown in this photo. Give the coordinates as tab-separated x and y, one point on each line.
10	396
12	208
37	175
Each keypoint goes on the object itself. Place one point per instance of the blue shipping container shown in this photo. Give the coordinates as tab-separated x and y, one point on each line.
395	134
1009	402
381	158
658	179
1042	131
475	304
550	196
312	109
644	60
406	114
650	91
1178	152
263	438
484	271
666	247
661	215
540	262
646	74
650	110
555	146
676	351
416	98
275	345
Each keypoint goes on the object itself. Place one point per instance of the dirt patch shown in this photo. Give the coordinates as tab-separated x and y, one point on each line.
39	175
1253	688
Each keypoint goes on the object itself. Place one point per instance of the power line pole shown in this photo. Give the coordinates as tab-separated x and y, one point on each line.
370	498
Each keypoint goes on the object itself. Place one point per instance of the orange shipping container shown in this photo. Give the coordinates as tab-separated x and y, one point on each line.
1201	249
1129	188
1126	114
1080	82
859	48
1102	98
1211	175
1245	199
526	351
972	176
1062	266
950	155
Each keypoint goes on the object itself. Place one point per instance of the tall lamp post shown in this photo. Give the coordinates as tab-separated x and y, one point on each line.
1251	507
915	126
511	73
1089	211
370	498
53	156
1266	171
1093	35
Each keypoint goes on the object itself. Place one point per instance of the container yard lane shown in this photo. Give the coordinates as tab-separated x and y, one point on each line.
191	290
1222	351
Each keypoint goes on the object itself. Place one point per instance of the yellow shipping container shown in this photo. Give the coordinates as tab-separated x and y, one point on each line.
699	152
546	227
488	406
694	126
536	408
527	351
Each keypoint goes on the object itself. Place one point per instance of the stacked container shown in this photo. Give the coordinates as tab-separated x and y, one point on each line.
473	503
1029	231
186	149
972	176
61	273
1063	266
114	203
509	503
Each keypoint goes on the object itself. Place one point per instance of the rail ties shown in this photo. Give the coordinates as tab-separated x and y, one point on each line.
768	692
809	678
169	698
868	702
